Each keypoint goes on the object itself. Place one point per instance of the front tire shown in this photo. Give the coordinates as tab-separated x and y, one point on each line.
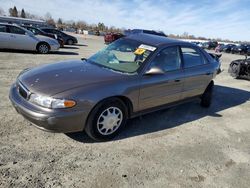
43	48
206	98
106	120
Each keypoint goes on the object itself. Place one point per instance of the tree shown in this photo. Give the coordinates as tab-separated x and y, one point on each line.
59	21
101	26
60	24
14	12
2	13
81	25
23	15
49	19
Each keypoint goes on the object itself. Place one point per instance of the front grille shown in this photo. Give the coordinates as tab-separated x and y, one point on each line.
23	91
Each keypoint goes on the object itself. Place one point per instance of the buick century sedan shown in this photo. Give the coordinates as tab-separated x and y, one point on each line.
132	76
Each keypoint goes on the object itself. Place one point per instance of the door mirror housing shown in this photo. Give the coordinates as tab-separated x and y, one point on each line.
154	71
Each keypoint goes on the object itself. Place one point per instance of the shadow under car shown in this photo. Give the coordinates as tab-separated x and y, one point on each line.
223	98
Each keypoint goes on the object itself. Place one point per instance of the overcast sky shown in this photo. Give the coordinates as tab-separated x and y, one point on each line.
227	19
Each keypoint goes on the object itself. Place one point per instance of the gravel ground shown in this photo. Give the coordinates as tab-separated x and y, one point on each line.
184	146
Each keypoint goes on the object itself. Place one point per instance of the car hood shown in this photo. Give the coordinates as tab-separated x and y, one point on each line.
58	77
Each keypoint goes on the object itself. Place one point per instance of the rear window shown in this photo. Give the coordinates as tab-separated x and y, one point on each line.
3	28
192	57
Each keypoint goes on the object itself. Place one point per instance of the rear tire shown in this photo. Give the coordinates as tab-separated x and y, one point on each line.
70	42
43	48
235	71
206	98
106	120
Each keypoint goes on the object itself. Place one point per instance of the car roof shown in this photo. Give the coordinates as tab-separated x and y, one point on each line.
47	28
155	40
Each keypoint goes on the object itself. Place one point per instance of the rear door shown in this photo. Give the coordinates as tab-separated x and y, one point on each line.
4	37
197	70
20	40
157	90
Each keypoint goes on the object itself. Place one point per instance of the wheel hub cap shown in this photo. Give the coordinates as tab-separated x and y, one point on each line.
109	120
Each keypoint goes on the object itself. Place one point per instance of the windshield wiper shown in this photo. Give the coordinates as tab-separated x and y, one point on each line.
84	59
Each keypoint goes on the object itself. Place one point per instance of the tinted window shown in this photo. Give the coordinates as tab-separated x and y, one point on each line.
35	31
168	59
191	57
16	30
3	28
48	30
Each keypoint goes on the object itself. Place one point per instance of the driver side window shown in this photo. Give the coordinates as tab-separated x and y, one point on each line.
168	59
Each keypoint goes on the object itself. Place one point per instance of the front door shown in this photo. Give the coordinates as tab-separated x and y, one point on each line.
157	90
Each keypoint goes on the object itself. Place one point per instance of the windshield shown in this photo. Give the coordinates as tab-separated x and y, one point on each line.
123	55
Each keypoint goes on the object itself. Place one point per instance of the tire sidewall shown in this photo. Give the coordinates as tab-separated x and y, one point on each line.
70	42
207	96
91	126
39	51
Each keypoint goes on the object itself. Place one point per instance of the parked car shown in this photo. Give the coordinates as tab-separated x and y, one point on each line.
38	31
137	31
210	45
15	37
132	76
240	49
220	47
67	39
248	50
111	37
227	48
240	68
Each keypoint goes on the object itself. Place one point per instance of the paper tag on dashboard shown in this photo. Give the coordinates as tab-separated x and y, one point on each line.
147	47
139	51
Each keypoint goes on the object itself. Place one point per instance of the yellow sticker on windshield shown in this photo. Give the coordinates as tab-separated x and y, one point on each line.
139	51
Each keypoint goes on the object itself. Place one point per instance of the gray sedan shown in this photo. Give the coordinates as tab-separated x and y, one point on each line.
134	75
18	38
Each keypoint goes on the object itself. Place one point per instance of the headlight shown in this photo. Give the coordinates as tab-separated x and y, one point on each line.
50	102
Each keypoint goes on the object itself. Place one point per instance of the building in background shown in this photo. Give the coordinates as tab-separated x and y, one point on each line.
23	21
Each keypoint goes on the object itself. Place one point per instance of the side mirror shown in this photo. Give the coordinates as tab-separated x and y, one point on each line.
154	71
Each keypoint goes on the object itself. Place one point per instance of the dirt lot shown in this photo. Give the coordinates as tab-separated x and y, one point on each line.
185	146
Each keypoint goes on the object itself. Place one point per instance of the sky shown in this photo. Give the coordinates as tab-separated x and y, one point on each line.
227	19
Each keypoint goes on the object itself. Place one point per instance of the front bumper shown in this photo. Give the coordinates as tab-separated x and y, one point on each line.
54	47
51	120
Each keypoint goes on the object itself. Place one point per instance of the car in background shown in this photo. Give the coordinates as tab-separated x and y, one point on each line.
137	31
210	45
38	31
132	76
18	38
240	49
240	68
67	39
196	43
220	47
111	37
248	51
228	47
